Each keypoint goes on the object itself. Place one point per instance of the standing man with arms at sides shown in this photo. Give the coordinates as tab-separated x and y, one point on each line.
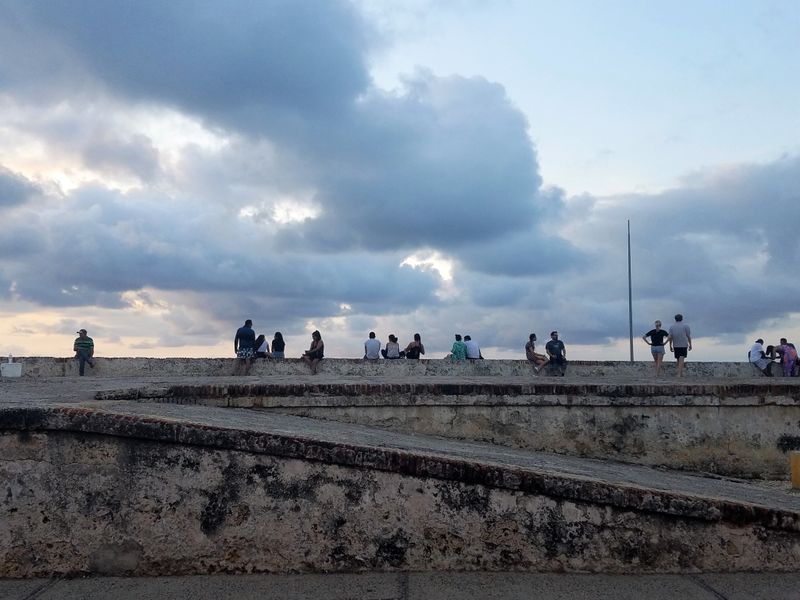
84	351
372	347
680	341
244	345
657	337
557	352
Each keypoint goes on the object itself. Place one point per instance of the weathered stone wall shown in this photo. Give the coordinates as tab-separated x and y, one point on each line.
162	367
737	429
87	503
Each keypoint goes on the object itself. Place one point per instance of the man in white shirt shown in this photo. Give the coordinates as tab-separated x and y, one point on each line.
473	350
758	358
372	347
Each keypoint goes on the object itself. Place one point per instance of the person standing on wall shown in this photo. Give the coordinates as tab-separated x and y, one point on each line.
680	342
244	345
84	350
657	337
557	352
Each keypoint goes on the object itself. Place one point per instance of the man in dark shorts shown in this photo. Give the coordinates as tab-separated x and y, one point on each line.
244	344
680	341
657	337
558	354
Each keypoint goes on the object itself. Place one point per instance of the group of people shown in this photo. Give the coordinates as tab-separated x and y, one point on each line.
373	350
555	359
465	349
784	353
247	346
679	338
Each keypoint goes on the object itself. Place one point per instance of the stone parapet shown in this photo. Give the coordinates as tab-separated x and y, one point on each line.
215	367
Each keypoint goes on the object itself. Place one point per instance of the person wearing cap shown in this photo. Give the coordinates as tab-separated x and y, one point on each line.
759	358
84	350
557	352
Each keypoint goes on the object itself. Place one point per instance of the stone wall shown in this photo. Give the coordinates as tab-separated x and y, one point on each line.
736	429
212	367
141	499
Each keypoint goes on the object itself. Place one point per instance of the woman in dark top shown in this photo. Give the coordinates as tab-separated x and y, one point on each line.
415	348
278	345
315	352
657	338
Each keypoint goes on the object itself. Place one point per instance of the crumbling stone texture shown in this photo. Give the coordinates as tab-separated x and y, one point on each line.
81	503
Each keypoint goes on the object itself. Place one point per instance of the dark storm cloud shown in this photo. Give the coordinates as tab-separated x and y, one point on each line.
444	163
15	189
238	63
105	243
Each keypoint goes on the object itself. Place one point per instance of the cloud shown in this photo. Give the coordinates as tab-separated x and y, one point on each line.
242	64
203	162
100	244
15	189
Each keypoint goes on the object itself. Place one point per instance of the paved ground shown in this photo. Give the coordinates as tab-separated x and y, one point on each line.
415	586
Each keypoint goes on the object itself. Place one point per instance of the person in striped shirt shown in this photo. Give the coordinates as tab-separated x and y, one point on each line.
84	350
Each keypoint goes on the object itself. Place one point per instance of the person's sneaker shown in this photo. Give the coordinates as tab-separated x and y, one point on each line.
535	369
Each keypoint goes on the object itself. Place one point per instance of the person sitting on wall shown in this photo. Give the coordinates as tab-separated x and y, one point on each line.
315	353
262	347
278	345
415	348
459	350
372	347
538	360
473	350
84	351
558	354
759	358
392	349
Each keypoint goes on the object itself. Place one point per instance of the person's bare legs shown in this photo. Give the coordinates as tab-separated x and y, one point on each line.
658	358
315	366
680	366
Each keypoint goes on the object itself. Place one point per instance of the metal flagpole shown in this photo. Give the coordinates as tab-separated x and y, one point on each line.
630	292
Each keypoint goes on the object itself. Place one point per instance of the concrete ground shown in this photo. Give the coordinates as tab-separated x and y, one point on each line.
415	586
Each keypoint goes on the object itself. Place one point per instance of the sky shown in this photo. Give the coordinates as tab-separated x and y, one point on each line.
169	169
